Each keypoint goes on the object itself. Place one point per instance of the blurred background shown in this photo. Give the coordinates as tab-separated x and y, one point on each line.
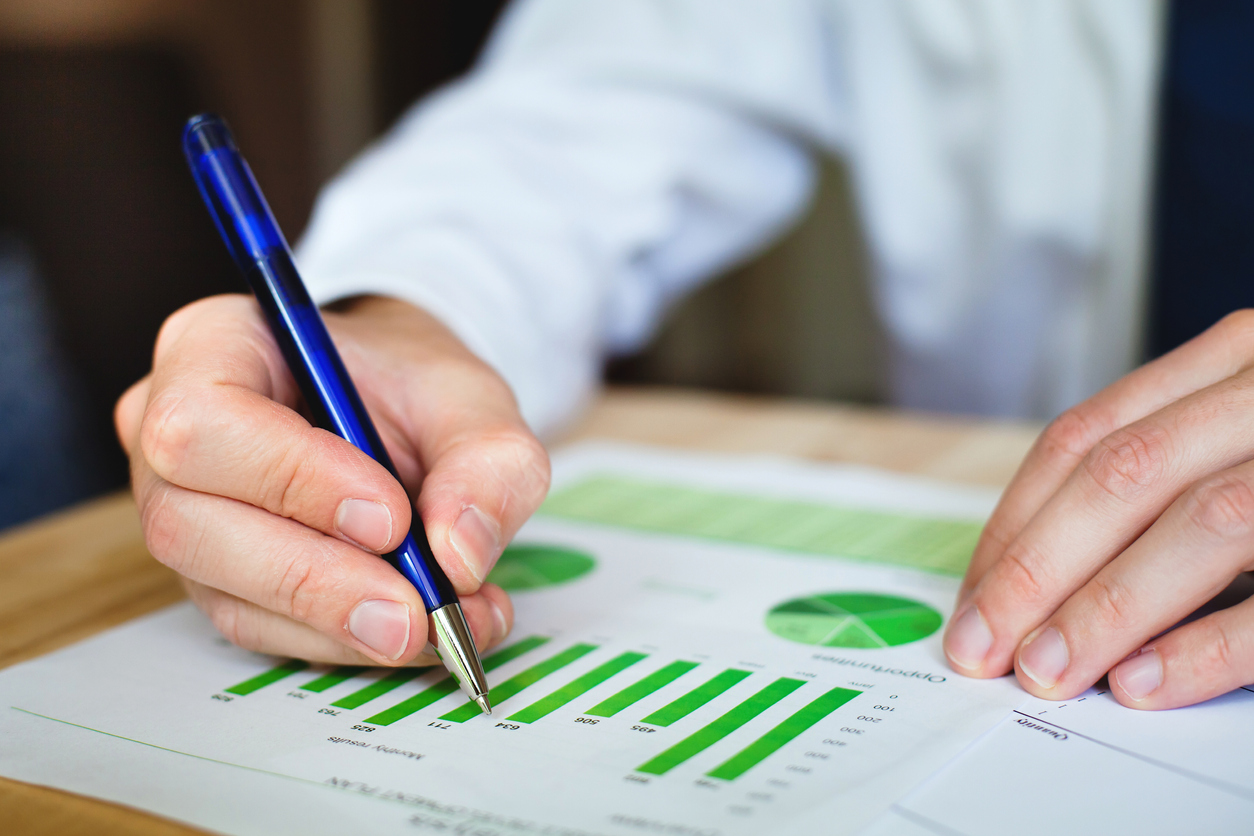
102	234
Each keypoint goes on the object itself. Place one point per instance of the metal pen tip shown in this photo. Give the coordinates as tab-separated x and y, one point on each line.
457	650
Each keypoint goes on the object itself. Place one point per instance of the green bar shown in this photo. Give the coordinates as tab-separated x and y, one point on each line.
704	738
633	694
785	732
331	679
519	681
448	685
694	699
417	702
395	679
268	678
933	544
577	688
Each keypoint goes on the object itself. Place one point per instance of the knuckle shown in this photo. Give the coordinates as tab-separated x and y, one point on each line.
1217	654
161	524
286	480
1112	605
1127	462
174	326
995	537
127	413
532	462
175	533
232	620
296	592
1222	507
166	433
1070	436
519	462
227	620
1020	572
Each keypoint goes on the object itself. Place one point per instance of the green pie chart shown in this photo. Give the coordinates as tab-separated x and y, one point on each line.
535	566
853	619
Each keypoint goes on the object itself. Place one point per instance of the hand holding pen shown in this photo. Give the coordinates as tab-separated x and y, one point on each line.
270	520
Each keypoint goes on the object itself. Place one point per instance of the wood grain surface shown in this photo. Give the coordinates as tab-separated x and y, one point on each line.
75	573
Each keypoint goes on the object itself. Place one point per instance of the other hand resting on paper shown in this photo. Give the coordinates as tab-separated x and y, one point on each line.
1131	510
274	524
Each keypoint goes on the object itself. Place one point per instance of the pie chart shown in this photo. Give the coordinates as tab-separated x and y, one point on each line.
853	619
534	566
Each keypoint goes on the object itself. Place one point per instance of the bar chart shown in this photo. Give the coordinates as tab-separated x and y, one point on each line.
529	697
699	648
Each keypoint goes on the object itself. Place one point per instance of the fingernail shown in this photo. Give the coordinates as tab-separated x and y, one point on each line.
498	618
383	626
1044	659
365	522
1141	675
476	538
968	640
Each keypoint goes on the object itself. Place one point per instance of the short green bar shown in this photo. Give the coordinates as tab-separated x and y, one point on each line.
519	681
577	688
785	732
268	678
704	738
448	685
633	694
331	679
695	698
395	679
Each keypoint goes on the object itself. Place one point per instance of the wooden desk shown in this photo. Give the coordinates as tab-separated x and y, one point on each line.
78	572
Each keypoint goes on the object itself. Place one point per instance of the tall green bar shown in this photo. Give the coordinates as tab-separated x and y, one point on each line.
577	688
633	694
268	678
393	680
519	681
448	685
695	698
782	734
706	737
331	679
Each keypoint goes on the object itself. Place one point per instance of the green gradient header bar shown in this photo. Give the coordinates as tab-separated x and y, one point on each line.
928	543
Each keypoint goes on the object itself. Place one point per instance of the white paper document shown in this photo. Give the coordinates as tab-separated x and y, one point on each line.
1090	765
703	645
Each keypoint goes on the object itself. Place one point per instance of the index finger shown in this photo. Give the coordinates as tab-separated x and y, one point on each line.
1222	351
1126	483
211	425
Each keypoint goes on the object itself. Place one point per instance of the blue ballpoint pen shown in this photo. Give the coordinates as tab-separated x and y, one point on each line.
259	248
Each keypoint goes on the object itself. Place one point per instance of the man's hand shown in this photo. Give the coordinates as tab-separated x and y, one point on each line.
1132	510
275	524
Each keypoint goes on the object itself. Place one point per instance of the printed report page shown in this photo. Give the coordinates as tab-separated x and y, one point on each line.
703	645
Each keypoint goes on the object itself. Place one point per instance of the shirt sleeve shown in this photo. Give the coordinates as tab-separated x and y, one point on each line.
602	160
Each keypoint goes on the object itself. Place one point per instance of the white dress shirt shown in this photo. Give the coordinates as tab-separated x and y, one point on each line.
606	156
